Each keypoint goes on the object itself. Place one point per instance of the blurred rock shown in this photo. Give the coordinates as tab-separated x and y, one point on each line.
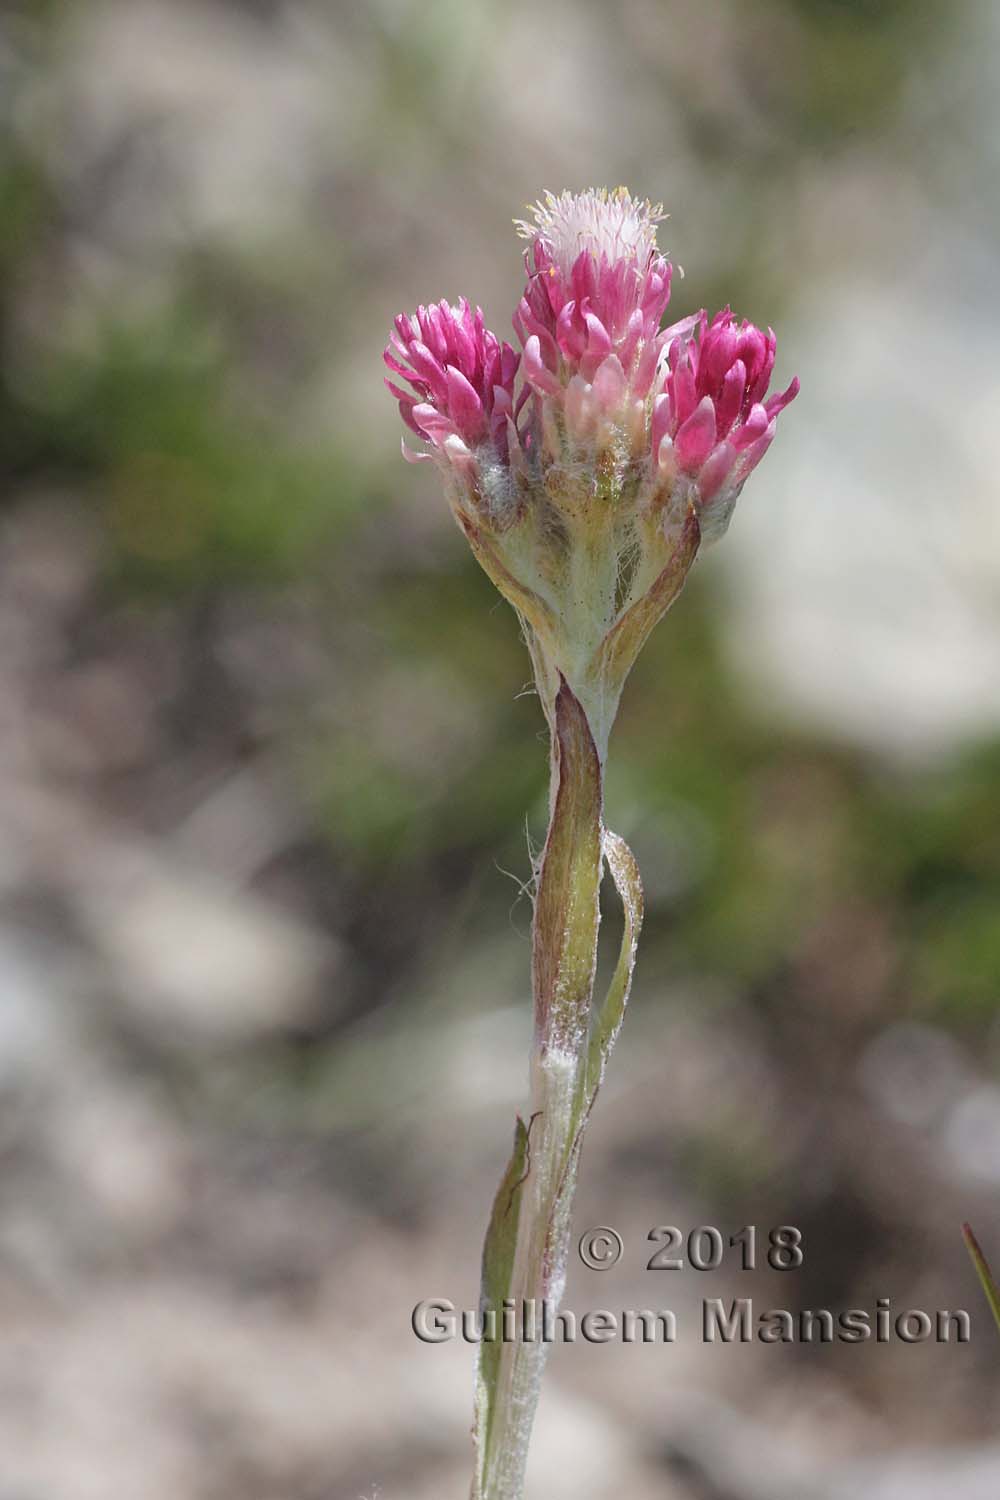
194	956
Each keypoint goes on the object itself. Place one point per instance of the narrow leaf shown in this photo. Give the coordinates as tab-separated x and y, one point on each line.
625	640
528	604
498	1264
566	907
983	1271
607	1019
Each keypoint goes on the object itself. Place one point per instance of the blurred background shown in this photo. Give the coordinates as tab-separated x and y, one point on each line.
268	771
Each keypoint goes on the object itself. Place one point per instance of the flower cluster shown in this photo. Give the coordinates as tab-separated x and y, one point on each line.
626	442
710	421
462	375
590	316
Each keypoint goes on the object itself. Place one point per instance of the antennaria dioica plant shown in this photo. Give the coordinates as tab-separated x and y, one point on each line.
585	493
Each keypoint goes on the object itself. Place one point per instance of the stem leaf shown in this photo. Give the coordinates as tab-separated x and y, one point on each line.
983	1271
498	1263
566	906
626	638
607	1020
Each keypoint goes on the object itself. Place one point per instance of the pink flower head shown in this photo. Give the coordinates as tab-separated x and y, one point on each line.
587	492
710	420
671	420
597	290
462	376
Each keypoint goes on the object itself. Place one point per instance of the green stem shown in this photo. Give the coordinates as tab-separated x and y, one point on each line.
528	1239
537	1279
527	1242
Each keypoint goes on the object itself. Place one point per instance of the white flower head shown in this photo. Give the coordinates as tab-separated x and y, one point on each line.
610	224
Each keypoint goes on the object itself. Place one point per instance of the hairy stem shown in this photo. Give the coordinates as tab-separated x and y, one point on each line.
526	1249
537	1279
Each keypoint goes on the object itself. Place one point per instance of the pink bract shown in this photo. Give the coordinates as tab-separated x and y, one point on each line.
461	374
600	309
596	294
710	417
